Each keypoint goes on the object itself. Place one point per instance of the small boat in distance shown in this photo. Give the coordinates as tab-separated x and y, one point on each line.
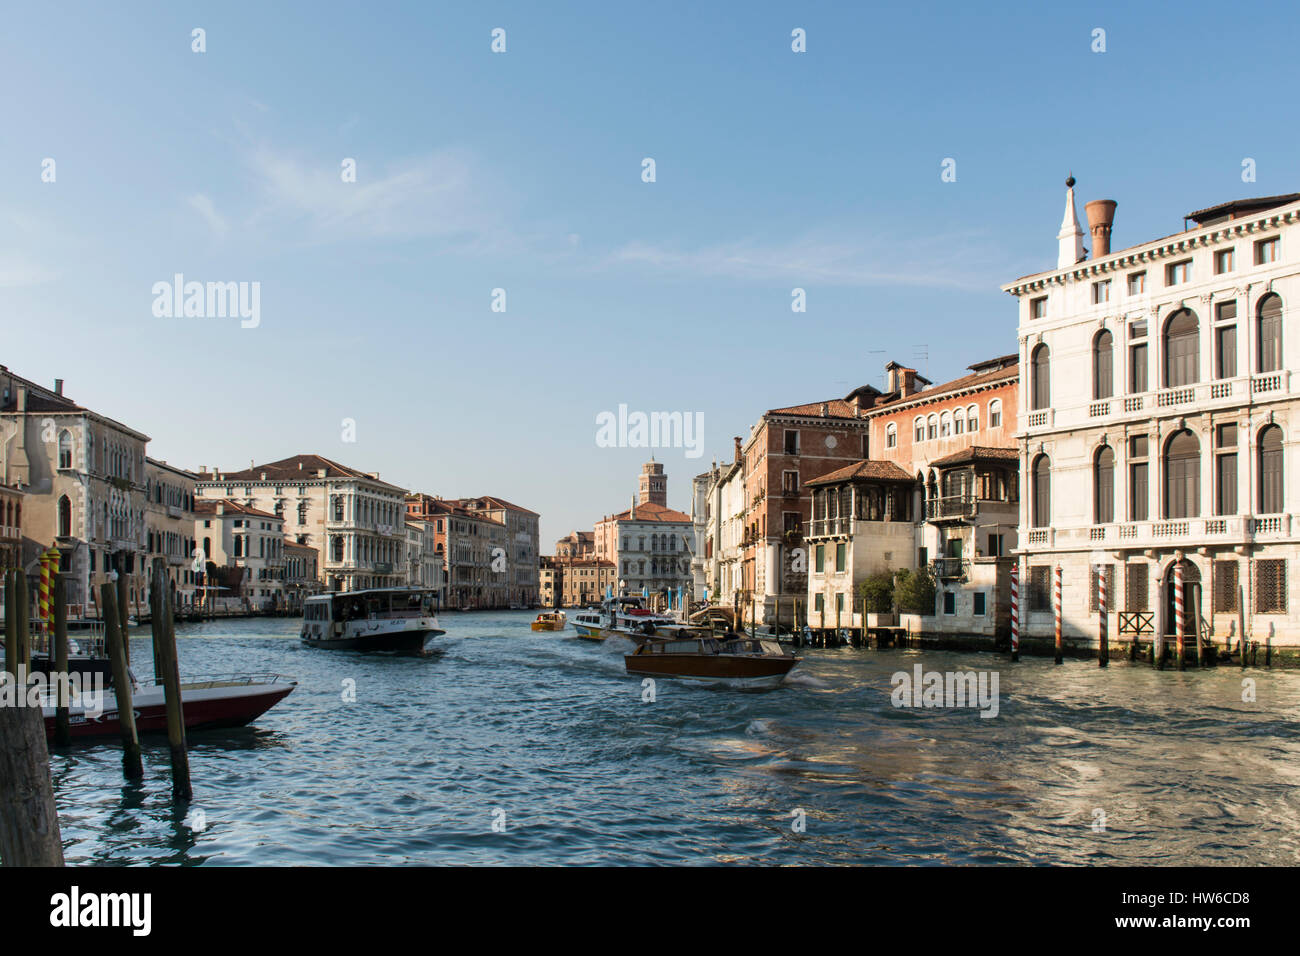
695	655
392	620
625	616
550	621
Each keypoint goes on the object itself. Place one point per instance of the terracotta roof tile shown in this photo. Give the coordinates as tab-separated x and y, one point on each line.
878	470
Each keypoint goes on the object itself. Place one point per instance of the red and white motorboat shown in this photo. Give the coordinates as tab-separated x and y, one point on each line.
208	703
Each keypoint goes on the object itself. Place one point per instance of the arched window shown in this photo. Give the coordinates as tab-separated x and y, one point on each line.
1183	476
918	426
1103	377
1041	383
1182	347
1041	503
995	413
932	427
945	425
65	517
958	422
891	436
972	418
1269	330
1270	470
65	449
1103	475
336	544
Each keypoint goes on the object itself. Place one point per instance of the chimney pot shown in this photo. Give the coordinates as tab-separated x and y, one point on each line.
58	386
1101	217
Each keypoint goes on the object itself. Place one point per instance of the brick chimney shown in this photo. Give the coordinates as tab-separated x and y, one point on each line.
1101	216
737	441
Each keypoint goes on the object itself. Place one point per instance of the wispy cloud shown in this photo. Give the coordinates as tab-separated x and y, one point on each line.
438	196
208	211
964	261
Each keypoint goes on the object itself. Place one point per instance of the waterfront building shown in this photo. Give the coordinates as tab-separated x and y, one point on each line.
11	527
243	548
700	486
1159	426
84	484
169	525
768	501
576	582
424	560
577	544
301	573
355	521
650	545
521	544
473	546
550	580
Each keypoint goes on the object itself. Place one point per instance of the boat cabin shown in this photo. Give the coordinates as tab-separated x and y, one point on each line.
381	604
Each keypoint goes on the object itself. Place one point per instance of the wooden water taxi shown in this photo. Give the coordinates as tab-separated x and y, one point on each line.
550	621
693	655
392	620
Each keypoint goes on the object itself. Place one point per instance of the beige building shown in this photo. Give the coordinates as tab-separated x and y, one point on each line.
169	524
246	545
85	485
355	521
301	573
11	527
1159	427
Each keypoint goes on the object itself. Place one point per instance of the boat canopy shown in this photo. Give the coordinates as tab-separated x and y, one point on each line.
376	603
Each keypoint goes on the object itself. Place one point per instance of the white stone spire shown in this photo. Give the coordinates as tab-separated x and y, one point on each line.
1070	236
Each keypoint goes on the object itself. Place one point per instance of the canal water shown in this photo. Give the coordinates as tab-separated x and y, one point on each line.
523	748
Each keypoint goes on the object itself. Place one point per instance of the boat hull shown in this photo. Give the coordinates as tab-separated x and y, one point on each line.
384	642
747	671
206	707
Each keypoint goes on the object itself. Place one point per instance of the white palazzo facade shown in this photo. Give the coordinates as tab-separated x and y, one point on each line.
1159	420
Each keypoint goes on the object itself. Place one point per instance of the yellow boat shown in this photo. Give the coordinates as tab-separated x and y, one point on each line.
550	621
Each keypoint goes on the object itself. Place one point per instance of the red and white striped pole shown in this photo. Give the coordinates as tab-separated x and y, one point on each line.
1056	603
1015	611
1179	612
1103	643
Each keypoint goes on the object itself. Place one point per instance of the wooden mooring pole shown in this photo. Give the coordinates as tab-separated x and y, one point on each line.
1015	611
132	767
124	614
29	820
23	613
1103	635
11	626
1056	607
164	649
59	656
1241	623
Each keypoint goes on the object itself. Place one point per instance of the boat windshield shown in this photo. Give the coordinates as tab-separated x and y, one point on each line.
382	605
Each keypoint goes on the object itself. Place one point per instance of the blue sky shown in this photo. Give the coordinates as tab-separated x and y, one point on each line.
522	171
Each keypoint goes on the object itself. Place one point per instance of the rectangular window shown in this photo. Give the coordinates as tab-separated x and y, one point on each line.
1270	586
1178	273
995	546
1222	261
949	602
1139	491
1094	597
1101	292
1137	283
1225	470
1225	351
866	445
980	601
995	416
1225	587
820	566
791	441
819	603
891	439
1038	308
1136	591
840	564
1040	594
1137	374
790	481
1270	336
839	603
1266	251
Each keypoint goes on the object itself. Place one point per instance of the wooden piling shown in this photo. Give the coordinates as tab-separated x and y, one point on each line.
1103	624
23	608
11	626
1015	611
59	658
132	766
1241	623
1056	606
1196	623
124	614
29	819
164	641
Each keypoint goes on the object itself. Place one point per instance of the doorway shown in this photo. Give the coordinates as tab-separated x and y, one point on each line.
1192	608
